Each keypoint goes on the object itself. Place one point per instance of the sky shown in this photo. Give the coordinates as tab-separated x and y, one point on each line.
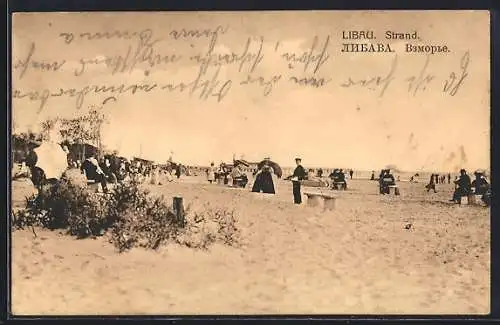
327	126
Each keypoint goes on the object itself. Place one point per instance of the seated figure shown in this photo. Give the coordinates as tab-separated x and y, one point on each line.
482	187
386	180
480	184
338	179
93	172
462	187
240	179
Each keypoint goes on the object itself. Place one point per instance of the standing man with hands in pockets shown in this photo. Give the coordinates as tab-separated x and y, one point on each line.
298	175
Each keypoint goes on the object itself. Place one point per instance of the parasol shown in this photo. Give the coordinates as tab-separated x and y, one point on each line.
51	159
277	169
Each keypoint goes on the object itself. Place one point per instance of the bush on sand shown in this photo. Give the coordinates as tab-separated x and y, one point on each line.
130	214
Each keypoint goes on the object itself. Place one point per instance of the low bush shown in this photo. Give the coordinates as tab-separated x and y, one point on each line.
133	216
139	219
208	226
65	205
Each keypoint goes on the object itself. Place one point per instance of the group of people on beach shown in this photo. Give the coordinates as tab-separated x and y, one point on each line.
228	176
263	177
112	169
464	187
103	170
264	181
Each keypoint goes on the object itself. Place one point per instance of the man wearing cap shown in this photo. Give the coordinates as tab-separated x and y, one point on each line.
298	174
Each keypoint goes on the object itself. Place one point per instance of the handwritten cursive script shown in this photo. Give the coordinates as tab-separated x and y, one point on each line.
455	81
380	83
221	64
29	62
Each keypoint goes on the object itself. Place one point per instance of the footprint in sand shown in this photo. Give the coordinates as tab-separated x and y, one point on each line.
84	265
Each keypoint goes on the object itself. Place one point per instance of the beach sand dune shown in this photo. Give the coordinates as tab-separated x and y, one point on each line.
360	258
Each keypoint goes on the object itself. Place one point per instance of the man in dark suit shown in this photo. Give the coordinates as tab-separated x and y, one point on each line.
298	175
462	186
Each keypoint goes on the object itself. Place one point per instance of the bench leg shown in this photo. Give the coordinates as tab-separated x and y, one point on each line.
329	204
314	201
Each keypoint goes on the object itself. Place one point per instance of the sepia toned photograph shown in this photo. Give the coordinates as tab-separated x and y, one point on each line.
250	163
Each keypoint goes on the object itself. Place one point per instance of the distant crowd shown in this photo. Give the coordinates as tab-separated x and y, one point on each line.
104	170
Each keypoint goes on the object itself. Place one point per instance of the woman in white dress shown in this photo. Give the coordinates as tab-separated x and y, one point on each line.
211	173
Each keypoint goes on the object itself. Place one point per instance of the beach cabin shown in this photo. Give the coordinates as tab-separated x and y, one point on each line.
145	163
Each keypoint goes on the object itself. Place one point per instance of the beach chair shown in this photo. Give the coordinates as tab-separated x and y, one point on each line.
468	199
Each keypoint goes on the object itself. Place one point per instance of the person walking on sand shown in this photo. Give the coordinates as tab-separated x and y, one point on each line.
351	172
431	185
298	175
178	171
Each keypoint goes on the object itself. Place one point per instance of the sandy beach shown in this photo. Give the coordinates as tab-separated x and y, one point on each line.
359	258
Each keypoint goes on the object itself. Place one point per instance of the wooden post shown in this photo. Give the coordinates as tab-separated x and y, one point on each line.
178	208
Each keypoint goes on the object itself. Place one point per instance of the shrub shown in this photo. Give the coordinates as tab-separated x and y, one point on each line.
208	226
140	219
30	216
135	217
65	205
75	177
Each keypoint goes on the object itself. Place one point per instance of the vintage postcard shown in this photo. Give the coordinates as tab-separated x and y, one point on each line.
277	162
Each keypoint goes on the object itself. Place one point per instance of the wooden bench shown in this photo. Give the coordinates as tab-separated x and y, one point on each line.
315	199
394	189
312	183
